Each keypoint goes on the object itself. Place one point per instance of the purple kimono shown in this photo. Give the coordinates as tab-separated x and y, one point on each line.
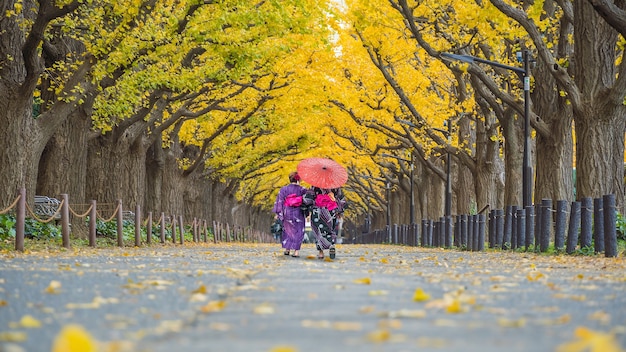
292	217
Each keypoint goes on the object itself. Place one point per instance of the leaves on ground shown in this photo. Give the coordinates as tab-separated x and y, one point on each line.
431	287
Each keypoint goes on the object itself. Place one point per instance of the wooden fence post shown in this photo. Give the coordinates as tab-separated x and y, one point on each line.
65	221
93	220
120	224
149	228
20	220
137	226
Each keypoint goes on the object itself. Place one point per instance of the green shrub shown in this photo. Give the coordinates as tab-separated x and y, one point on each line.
620	225
38	230
7	226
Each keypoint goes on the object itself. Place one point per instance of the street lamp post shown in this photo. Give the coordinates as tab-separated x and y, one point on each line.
412	168
524	74
448	209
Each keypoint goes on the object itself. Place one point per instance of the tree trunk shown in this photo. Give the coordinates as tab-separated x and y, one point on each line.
513	147
600	120
488	164
116	170
464	180
63	164
554	144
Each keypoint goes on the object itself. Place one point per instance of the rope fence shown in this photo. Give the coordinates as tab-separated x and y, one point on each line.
168	226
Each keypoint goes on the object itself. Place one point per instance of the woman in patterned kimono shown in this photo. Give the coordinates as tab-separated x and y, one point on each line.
327	207
290	213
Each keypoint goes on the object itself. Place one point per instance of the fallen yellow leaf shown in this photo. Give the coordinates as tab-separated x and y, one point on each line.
28	321
379	336
519	323
378	293
53	287
589	340
454	307
73	338
534	276
264	309
201	289
420	295
363	281
13	336
213	306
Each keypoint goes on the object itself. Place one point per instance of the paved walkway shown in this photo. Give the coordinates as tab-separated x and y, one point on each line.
244	297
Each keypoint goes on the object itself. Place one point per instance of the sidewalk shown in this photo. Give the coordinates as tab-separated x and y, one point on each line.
245	297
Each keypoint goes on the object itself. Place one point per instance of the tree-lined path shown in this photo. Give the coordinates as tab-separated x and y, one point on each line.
250	297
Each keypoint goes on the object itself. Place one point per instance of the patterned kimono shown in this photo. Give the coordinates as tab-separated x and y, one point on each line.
325	205
292	217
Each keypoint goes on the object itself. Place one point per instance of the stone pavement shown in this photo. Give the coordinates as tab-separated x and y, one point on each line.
250	297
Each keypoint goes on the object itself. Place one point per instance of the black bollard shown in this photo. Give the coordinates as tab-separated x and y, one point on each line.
586	214
424	233
457	232
508	223
470	232
514	227
476	233
499	227
521	228
574	226
464	231
530	226
492	228
481	232
559	226
546	225
448	232
610	234
537	225
598	225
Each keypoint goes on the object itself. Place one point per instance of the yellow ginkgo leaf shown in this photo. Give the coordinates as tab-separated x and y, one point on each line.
379	336
53	287
420	295
28	321
589	340
378	293
13	336
384	261
201	289
213	306
363	281
507	323
264	309
534	276
454	307
74	338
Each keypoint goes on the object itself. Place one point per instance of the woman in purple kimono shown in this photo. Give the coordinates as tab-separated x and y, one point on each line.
288	210
327	206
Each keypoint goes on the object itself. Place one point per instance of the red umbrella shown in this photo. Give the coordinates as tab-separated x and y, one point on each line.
322	173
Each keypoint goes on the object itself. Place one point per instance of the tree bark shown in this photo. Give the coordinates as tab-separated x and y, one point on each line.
600	118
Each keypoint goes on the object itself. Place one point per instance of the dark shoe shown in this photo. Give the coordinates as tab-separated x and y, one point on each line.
295	256
286	252
331	252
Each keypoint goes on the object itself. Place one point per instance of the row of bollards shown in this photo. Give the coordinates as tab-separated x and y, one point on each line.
582	224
